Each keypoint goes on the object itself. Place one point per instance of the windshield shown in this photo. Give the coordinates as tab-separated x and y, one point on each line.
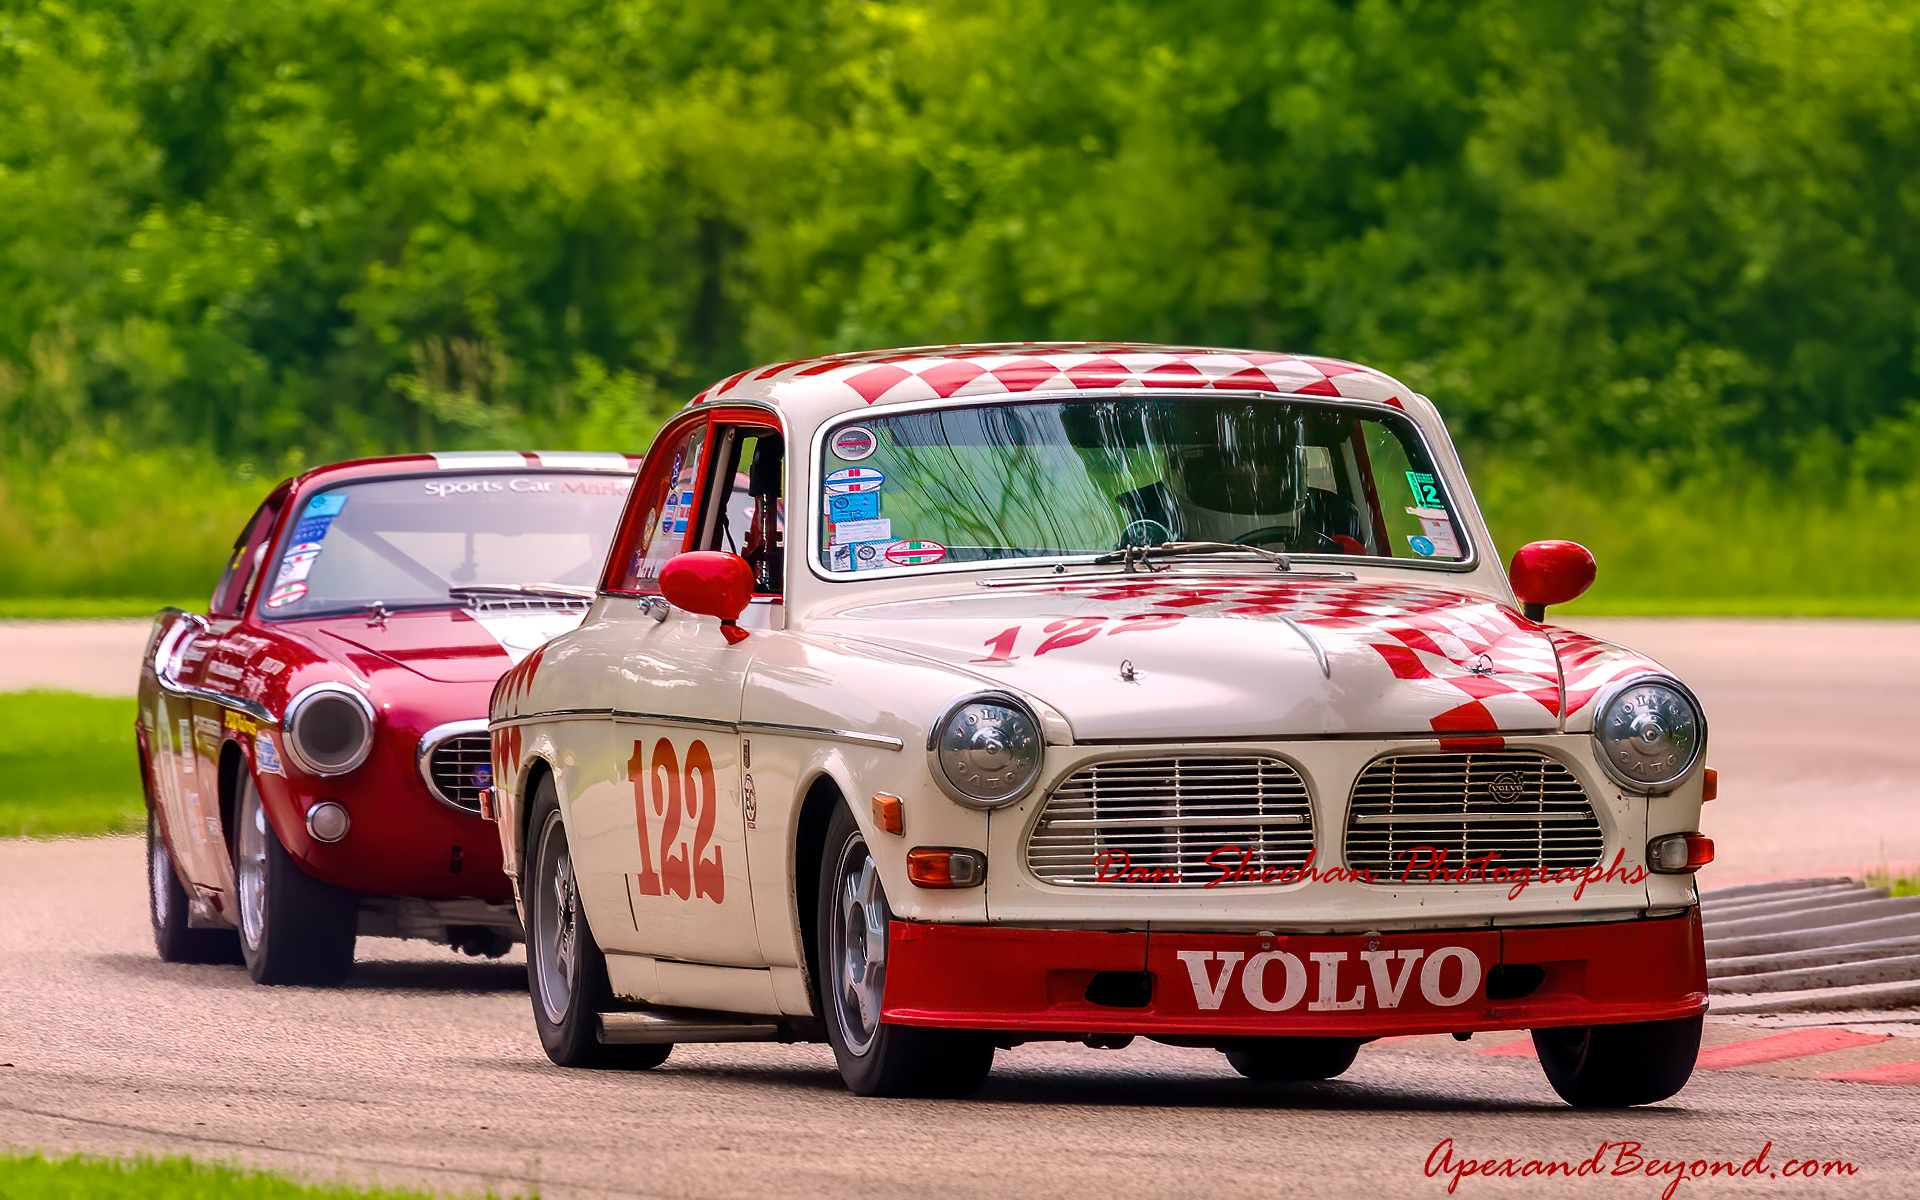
417	541
1010	481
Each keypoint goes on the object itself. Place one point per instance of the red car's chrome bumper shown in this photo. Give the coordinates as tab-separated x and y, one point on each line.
1247	985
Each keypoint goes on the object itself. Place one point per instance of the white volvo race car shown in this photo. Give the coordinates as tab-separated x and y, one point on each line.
1095	691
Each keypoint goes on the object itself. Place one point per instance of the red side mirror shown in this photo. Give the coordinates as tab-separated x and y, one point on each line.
712	584
1546	573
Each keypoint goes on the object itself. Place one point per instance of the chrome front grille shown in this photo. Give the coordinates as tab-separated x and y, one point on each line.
1155	822
1526	808
459	767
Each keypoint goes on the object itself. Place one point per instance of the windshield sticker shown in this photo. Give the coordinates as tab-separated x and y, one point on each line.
328	505
859	556
855	443
312	529
1421	546
914	554
877	530
286	594
853	480
1438	528
1426	489
298	563
854	506
265	756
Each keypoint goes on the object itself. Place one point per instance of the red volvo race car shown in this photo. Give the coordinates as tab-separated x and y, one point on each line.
314	748
939	700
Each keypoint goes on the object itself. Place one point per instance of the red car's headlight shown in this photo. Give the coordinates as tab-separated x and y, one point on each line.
329	729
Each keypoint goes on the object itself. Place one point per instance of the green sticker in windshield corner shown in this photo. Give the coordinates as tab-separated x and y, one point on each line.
1426	489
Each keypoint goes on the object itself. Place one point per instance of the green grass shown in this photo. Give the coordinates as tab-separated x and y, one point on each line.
32	1177
1900	885
68	765
90	608
1717	541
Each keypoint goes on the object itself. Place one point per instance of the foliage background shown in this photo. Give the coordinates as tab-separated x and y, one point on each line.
1657	260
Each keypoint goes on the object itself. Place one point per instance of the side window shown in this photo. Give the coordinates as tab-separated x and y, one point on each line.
663	507
243	568
746	512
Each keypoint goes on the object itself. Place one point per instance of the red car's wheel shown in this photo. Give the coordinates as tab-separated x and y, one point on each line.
566	971
175	939
876	1058
293	928
1615	1066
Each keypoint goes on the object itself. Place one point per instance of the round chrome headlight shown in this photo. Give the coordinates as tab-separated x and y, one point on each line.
329	729
986	750
1649	733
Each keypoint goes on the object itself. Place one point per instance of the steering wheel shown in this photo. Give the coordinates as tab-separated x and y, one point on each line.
1267	534
1144	532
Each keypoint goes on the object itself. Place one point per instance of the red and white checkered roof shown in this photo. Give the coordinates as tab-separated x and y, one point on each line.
840	382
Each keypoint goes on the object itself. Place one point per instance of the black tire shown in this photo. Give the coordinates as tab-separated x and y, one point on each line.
294	929
877	1058
173	937
1292	1059
566	971
1617	1066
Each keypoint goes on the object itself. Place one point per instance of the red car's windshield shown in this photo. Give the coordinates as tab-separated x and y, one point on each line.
427	540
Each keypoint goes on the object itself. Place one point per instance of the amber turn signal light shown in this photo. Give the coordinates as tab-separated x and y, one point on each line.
1709	785
887	812
946	867
1679	853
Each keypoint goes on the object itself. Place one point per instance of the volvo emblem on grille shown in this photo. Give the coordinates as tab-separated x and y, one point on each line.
1505	787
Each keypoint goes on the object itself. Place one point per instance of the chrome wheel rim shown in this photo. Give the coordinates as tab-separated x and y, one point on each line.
859	950
250	866
159	868
556	921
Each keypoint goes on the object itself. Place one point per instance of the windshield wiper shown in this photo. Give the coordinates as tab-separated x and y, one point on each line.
523	589
1144	555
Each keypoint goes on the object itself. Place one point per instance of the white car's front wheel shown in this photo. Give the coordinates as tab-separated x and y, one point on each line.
566	971
877	1058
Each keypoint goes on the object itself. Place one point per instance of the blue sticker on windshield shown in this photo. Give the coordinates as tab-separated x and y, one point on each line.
854	506
312	529
326	505
1421	546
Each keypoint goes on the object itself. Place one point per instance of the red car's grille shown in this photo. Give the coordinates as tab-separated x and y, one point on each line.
460	768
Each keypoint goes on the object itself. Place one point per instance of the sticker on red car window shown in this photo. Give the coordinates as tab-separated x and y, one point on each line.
855	443
286	594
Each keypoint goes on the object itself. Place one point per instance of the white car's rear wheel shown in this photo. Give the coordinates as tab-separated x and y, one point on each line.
566	971
877	1058
173	937
294	929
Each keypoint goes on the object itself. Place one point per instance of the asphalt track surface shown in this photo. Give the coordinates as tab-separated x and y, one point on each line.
425	1070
